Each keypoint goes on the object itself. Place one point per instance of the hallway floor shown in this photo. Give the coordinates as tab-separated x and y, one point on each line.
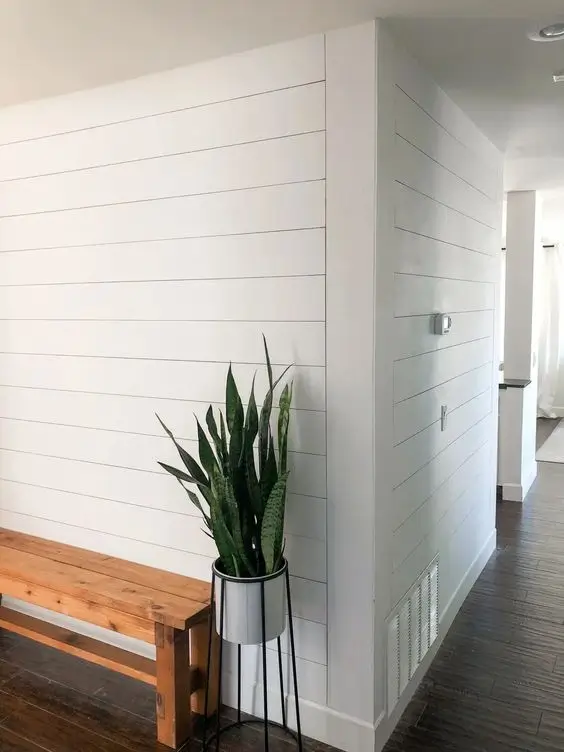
497	683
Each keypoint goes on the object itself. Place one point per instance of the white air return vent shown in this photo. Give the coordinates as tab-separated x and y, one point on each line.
412	629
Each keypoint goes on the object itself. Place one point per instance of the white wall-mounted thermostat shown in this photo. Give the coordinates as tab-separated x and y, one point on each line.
442	323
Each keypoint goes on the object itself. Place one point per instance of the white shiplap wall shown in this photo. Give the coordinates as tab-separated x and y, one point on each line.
445	239
150	231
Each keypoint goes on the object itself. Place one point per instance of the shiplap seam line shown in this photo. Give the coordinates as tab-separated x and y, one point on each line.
439	350
163	198
220	405
166	155
119	467
403	316
433	459
446	480
435	422
441	383
442	126
444	167
167	240
132	396
436	201
159	360
400	274
193	515
128	433
438	240
161	113
165	281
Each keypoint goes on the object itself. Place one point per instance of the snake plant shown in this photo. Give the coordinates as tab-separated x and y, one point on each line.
245	507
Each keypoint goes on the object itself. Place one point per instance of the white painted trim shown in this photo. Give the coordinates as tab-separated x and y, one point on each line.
518	492
385	729
319	722
351	102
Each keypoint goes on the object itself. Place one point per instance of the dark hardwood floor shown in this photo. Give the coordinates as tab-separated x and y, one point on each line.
496	685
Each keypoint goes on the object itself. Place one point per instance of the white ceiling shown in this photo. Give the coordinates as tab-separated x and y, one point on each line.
477	50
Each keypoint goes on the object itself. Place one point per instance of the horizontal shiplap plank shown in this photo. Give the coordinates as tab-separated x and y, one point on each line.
414	335
280	66
153	526
274	254
199	382
305	517
281	207
419	524
220	341
475	497
136	451
418	171
287	160
415	296
417	413
419	128
411	494
268	299
164	529
415	375
416	254
425	216
413	453
137	414
419	86
275	114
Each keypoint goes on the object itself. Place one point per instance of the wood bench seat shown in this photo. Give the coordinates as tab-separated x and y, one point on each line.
165	609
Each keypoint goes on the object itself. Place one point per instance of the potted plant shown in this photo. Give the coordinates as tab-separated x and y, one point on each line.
245	507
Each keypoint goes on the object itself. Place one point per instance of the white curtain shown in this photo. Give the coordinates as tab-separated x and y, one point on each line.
551	306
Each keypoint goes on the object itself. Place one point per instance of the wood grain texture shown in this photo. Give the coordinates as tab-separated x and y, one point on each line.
79	645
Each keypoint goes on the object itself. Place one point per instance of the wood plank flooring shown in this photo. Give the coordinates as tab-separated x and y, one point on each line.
497	683
54	702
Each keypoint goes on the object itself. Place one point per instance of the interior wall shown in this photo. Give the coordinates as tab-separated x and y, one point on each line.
151	232
439	213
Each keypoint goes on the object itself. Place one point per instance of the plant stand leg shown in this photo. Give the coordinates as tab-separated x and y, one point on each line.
264	672
281	673
221	623
173	685
294	668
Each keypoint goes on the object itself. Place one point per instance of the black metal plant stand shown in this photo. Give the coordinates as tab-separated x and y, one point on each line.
219	731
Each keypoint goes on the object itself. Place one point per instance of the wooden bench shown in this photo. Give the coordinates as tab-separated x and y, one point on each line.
167	610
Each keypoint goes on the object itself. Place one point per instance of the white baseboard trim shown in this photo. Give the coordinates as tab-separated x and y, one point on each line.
384	730
518	491
318	721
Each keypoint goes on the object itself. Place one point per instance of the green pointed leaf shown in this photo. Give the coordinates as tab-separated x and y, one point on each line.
269	476
196	501
180	474
234	406
272	531
212	428
283	425
189	462
207	457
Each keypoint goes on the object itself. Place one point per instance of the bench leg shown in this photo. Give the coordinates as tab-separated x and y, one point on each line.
173	685
199	639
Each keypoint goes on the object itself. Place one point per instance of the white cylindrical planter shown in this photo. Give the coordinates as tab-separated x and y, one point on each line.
242	606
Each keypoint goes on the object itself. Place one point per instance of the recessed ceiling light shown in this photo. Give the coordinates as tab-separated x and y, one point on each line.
551	33
558	78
